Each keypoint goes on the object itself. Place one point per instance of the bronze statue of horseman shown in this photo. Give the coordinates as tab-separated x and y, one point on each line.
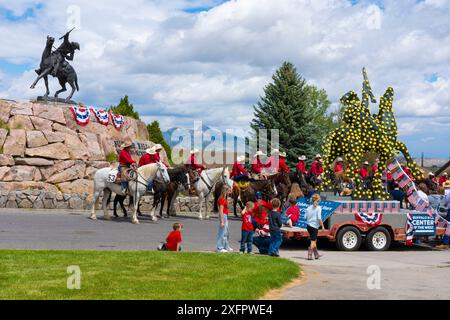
55	63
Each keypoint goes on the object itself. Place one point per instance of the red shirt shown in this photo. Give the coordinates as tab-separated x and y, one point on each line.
282	166
363	172
192	161
338	167
147	159
257	165
266	207
301	167
238	169
388	175
294	213
223	202
247	224
442	179
173	239
125	158
374	169
316	169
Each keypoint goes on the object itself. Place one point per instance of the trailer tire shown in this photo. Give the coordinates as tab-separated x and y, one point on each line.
378	239
348	239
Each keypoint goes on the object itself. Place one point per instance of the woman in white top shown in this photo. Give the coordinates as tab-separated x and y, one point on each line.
314	221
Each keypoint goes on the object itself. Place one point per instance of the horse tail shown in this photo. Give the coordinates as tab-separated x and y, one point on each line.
76	84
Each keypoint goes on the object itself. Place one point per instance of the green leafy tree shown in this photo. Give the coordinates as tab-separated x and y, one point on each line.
156	136
125	108
297	110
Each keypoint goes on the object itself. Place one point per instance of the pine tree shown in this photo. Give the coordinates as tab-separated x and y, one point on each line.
156	136
297	110
125	108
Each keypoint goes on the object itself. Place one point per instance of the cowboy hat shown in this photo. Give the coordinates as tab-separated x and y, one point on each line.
366	163
194	151
127	143
275	151
157	146
431	174
302	158
445	174
318	156
240	158
283	155
151	150
259	153
339	159
446	184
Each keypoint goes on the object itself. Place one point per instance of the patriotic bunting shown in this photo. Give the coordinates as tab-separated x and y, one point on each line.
101	115
371	219
82	115
118	121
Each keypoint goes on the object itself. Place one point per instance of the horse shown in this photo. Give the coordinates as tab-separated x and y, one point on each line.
206	183
137	187
66	73
282	184
266	187
161	191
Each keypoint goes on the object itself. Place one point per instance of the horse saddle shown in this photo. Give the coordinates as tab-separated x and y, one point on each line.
242	185
115	176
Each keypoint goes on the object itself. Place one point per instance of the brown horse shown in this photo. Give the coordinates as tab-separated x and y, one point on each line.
282	184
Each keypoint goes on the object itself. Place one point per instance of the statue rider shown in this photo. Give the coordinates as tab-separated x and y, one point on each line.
65	51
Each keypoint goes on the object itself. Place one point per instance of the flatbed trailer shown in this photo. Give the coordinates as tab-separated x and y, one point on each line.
349	233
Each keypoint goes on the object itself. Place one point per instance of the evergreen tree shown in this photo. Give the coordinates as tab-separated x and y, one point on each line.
125	108
156	136
297	110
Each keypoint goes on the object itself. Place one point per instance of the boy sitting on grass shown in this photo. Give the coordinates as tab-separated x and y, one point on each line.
173	240
247	227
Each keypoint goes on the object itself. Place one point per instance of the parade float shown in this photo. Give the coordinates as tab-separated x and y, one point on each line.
368	215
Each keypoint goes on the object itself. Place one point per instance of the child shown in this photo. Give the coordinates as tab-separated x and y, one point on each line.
293	212
173	240
247	227
274	228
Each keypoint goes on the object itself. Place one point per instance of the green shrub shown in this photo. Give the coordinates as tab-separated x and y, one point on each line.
4	125
111	157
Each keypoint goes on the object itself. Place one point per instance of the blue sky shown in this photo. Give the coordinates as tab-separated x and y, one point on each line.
182	61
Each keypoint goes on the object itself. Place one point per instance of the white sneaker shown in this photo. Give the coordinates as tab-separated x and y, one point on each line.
230	250
222	251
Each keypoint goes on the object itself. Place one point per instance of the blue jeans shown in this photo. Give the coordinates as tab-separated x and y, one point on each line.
262	243
124	184
247	238
275	242
223	235
446	239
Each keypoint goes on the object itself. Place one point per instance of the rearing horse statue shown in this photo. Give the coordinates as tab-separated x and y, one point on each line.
361	133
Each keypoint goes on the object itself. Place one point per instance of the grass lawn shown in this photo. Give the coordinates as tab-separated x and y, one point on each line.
26	274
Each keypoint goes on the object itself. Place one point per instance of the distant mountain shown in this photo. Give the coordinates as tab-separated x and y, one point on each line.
205	136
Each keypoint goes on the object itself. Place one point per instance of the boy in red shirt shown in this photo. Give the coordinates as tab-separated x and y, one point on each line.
173	240
247	227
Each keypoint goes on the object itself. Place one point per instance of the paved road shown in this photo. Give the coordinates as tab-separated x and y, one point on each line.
406	273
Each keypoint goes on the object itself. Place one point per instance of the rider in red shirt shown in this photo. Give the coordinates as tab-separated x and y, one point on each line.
339	166
282	166
125	162
364	171
301	165
239	172
149	157
192	162
158	149
375	167
257	165
443	178
317	167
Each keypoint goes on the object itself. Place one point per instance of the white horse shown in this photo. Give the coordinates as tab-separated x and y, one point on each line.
136	188
205	186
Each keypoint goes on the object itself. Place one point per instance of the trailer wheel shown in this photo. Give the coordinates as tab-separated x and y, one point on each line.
348	239
378	239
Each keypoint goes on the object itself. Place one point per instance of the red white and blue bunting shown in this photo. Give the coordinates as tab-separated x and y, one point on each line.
409	230
81	114
118	121
371	219
101	115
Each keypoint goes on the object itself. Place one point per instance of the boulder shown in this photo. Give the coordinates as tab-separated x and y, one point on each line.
142	133
26	204
5	111
108	145
3	135
78	186
15	143
3	172
22	109
53	137
93	127
41	124
38	162
38	204
12	204
90	140
77	150
27	185
47	172
36	139
98	164
89	173
6	160
49	204
63	129
48	112
75	172
37	175
57	151
20	173
76	203
20	122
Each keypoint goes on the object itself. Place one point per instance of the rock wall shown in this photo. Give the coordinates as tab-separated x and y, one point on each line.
45	155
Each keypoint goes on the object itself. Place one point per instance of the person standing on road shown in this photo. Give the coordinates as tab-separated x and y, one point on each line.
313	221
223	235
247	227
275	224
